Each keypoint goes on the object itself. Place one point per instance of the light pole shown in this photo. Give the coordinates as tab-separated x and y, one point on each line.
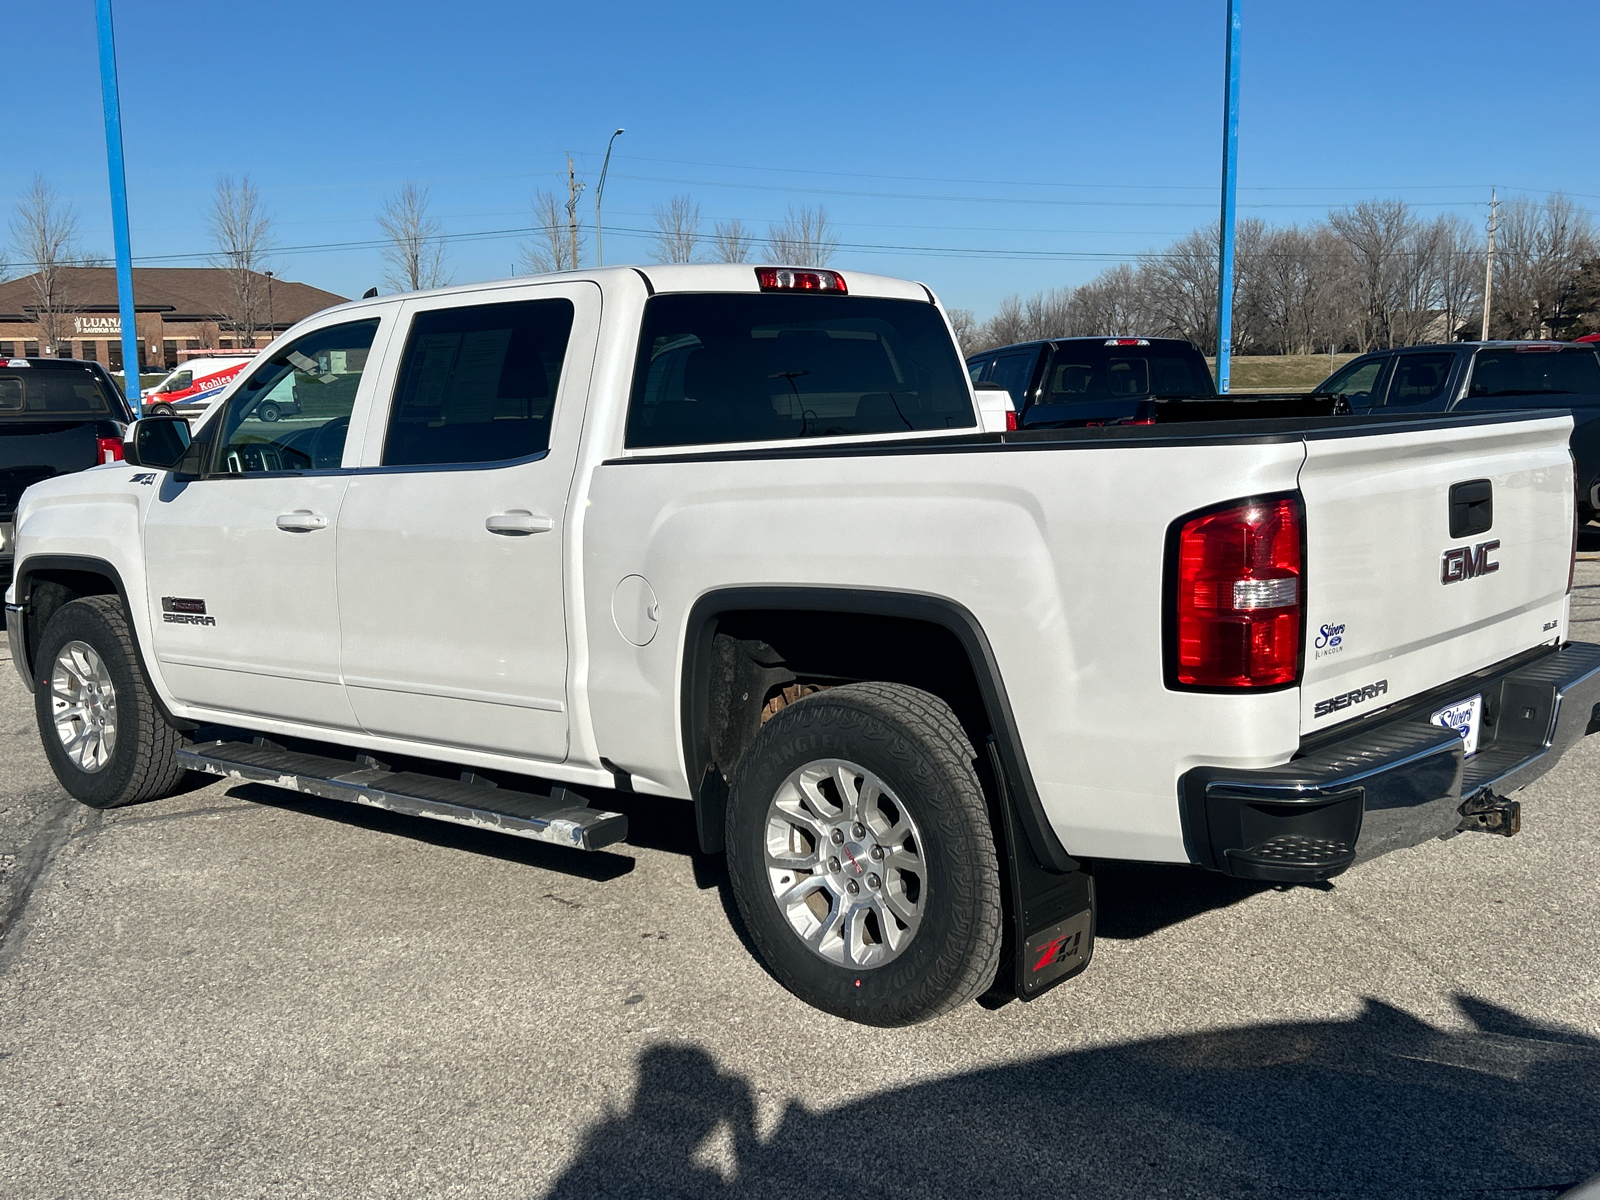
272	320
119	201
599	261
1230	166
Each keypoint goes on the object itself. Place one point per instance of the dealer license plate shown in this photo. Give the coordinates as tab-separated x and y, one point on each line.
1464	718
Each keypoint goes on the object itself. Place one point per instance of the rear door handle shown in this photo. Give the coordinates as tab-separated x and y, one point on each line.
518	522
302	520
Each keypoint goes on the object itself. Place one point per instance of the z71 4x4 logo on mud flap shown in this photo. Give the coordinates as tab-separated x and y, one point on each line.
178	610
1358	695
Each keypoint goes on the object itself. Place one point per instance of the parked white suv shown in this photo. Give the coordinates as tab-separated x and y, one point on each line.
537	553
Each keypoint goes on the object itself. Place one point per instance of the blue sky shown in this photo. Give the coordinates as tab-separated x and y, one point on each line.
982	149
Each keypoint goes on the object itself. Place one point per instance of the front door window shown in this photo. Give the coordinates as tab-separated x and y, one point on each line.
293	412
1357	383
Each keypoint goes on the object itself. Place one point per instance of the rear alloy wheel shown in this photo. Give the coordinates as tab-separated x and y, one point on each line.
844	862
103	731
862	856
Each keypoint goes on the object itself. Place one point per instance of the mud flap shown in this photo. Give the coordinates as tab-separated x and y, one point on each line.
1050	928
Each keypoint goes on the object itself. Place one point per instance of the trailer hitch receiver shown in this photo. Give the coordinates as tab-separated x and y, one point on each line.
1488	813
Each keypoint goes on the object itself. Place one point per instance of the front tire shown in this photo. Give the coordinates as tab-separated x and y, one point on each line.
862	856
103	731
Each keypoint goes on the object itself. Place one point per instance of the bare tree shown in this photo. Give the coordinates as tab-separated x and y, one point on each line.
964	324
1181	283
732	242
1007	326
1370	275
550	248
1380	237
241	232
46	233
1459	272
677	230
802	239
415	253
1541	248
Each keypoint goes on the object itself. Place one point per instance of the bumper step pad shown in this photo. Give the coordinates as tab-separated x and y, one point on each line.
559	818
1395	781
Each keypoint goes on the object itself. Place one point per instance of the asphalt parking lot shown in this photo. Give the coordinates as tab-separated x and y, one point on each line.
243	992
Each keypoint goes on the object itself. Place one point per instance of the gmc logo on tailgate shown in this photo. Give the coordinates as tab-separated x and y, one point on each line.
1464	563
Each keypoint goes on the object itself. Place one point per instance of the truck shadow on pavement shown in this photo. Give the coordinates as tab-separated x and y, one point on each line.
1383	1105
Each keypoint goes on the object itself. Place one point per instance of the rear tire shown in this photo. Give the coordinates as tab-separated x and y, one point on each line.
269	412
103	730
870	785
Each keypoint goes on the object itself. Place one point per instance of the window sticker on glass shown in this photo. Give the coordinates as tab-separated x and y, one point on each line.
310	366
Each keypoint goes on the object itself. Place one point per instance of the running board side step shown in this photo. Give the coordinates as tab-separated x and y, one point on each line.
554	818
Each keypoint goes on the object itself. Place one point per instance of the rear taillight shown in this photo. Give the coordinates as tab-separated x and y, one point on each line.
110	449
789	279
1238	597
1011	420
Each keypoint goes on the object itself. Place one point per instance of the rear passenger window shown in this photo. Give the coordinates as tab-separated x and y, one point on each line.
746	368
478	384
1535	372
1419	378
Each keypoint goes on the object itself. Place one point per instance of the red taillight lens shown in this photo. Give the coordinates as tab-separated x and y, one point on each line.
1011	421
788	279
1240	596
110	449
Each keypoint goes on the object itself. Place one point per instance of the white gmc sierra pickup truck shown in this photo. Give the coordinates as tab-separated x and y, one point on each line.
738	536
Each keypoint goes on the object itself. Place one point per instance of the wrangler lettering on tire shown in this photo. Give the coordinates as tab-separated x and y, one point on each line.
862	856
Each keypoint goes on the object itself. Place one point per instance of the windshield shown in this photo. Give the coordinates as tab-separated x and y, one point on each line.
743	368
1090	372
54	392
1568	371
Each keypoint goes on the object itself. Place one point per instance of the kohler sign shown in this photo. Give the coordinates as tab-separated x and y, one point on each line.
97	326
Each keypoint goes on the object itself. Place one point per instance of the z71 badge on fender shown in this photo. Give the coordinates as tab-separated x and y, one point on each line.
1358	695
1468	563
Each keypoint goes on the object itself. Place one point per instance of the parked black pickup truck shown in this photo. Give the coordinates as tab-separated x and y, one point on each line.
56	416
1086	381
1486	377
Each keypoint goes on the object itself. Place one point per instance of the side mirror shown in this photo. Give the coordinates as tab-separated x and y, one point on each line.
157	442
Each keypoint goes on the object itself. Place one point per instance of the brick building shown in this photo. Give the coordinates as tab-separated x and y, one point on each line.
175	309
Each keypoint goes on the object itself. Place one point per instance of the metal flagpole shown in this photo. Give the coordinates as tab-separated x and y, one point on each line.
1230	166
119	199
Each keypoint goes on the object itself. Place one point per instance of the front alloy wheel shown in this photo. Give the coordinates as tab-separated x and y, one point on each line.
83	703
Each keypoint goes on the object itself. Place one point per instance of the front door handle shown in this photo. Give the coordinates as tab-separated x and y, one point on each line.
301	520
518	523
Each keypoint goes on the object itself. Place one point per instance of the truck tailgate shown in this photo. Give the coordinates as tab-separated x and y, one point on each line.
31	450
1396	605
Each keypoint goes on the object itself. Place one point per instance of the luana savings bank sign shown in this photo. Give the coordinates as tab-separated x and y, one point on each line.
97	326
